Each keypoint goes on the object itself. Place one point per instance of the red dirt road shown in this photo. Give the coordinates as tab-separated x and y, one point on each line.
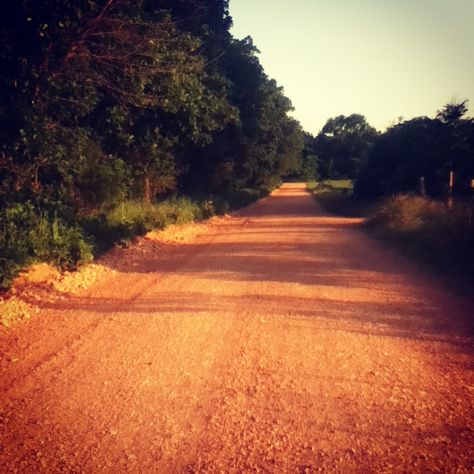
280	340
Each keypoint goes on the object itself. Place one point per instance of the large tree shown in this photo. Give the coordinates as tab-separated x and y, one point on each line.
342	145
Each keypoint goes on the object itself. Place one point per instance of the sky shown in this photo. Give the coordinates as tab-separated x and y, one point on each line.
385	59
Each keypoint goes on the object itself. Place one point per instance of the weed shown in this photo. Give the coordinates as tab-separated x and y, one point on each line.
27	236
30	236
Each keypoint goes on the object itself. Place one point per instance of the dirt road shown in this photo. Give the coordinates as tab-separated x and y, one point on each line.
280	340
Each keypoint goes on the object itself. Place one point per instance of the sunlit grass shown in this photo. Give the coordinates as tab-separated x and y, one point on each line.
344	185
339	184
426	229
429	229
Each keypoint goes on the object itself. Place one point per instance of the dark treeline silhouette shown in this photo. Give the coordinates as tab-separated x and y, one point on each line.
414	182
422	149
417	155
341	146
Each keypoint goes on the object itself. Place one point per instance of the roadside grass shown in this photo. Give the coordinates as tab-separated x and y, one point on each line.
424	229
345	185
29	237
133	218
428	230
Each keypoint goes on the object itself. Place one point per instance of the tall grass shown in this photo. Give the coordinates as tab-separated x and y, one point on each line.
426	229
27	236
429	229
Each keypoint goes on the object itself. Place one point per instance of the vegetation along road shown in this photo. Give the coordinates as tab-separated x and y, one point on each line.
279	339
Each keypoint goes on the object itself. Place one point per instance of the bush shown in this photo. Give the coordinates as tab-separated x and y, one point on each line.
132	218
242	197
138	218
407	214
27	236
429	228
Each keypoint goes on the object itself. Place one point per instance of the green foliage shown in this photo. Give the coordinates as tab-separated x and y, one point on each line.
342	184
103	180
131	218
243	197
342	146
265	143
308	169
27	236
104	103
336	197
406	214
425	228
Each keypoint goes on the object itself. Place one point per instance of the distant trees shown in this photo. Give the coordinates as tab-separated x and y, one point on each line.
342	145
308	162
422	147
264	142
396	160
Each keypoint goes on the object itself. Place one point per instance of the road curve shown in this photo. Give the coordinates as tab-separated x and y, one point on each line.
282	339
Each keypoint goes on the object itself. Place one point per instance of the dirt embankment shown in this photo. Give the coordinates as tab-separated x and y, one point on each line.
280	339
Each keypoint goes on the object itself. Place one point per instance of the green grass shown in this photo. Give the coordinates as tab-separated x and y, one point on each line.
28	236
339	184
134	217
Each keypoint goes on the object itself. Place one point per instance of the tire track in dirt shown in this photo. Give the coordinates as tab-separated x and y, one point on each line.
135	289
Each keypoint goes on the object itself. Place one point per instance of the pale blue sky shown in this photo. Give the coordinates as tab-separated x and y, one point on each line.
381	58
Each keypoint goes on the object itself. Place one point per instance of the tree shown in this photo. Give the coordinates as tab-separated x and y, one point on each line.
342	145
153	91
120	74
452	112
263	144
308	167
422	147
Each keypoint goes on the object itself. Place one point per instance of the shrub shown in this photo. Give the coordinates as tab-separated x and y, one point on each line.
242	197
137	217
407	214
27	236
430	228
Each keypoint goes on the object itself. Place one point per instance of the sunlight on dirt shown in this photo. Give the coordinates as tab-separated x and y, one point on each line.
278	339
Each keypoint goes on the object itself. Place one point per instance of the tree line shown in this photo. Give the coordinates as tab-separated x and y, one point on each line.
416	155
103	101
106	99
